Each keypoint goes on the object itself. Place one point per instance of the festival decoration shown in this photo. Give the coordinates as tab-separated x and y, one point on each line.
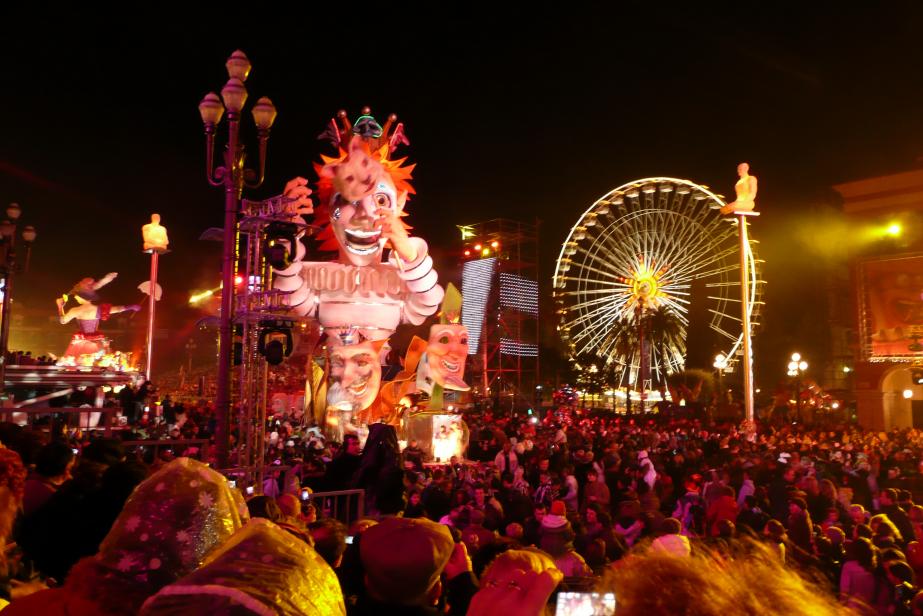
154	235
416	397
354	378
361	296
745	188
443	365
155	242
89	347
362	196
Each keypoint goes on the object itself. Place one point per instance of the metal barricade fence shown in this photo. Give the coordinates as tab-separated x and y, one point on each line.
86	418
347	506
190	448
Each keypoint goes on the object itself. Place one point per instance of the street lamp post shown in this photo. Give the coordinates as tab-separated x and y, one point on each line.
8	239
233	176
720	364
796	368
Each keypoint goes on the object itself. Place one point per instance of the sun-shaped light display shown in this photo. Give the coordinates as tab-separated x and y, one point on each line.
645	286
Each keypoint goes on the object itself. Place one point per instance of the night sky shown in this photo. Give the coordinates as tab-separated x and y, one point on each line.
520	113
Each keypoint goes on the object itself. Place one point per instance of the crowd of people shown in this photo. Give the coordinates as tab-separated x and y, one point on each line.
657	511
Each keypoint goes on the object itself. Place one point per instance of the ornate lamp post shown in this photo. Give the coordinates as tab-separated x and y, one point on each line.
796	368
233	176
8	268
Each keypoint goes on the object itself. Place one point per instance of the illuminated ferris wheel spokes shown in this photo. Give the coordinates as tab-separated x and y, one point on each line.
646	243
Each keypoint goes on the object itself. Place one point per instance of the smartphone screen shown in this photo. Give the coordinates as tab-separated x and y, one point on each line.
585	604
349	540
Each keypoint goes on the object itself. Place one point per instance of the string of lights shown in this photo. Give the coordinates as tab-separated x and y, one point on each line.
518	293
518	348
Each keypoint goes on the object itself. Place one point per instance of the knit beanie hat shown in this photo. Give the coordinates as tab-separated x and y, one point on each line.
557	516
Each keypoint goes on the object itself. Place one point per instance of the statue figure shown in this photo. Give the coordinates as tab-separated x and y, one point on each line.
155	235
362	194
746	192
89	347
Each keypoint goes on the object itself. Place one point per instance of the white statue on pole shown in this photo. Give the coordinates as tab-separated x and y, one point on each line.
155	235
745	188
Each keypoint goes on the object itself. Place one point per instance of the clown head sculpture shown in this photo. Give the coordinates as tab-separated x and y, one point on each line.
447	349
446	354
355	376
362	195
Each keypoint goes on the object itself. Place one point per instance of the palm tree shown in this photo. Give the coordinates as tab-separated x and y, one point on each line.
665	331
624	335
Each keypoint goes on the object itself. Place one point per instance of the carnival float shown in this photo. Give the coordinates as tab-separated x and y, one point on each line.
382	277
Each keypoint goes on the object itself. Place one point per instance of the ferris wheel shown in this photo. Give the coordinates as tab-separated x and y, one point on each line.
643	247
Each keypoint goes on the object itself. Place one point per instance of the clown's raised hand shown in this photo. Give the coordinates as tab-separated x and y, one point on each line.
393	230
298	190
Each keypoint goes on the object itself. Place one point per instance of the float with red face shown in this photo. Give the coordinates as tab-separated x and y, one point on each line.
446	353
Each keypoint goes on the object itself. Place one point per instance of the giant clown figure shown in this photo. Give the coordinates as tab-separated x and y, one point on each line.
362	194
361	297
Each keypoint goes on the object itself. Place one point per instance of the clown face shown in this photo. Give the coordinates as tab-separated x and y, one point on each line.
446	353
356	223
355	376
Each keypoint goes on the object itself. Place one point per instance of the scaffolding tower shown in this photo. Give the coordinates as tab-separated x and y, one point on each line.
500	309
260	312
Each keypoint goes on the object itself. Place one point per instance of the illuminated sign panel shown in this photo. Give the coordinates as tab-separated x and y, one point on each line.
477	279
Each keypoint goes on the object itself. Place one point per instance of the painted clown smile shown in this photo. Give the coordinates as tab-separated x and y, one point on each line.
358	388
450	366
361	242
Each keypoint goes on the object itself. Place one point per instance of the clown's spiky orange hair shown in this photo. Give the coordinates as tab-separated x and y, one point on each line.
399	173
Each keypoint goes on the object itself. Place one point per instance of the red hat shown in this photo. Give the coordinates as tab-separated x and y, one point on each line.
403	557
558	508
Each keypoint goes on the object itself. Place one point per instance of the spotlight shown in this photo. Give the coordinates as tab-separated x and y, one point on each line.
917	377
279	244
894	229
238	280
467	253
477	247
908	394
495	244
276	341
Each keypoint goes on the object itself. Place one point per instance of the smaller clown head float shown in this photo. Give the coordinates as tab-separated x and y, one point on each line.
447	349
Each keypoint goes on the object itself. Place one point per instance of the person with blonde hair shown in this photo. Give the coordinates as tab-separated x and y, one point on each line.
707	584
886	533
